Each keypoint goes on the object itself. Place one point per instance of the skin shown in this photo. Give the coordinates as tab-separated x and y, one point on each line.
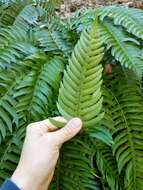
41	151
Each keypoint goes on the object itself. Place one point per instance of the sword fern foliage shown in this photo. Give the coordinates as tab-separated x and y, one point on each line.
50	67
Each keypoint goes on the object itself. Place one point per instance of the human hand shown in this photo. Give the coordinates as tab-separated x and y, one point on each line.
41	151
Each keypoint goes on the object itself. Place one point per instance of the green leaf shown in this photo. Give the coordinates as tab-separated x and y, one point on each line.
80	92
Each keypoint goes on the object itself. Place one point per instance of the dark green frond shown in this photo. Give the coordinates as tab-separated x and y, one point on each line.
8	115
55	41
34	91
49	5
10	11
131	19
29	16
9	154
107	165
127	113
15	45
123	48
75	169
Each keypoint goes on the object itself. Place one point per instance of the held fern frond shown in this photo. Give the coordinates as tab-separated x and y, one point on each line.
80	93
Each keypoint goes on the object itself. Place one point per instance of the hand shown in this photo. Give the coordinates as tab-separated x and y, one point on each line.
40	153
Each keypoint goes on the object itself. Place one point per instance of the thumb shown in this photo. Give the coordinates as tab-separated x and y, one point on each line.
69	131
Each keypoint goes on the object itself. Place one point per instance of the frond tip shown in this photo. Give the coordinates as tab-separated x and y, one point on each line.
80	92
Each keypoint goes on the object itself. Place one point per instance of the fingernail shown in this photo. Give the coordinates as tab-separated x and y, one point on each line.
76	122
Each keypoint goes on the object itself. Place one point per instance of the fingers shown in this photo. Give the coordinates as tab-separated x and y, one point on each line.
68	132
44	126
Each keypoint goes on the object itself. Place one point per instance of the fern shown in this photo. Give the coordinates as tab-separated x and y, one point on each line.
129	18
82	81
50	5
124	49
15	45
29	16
107	165
127	113
74	169
54	41
35	47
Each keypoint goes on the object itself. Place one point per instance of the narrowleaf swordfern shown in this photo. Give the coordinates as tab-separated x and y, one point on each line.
44	74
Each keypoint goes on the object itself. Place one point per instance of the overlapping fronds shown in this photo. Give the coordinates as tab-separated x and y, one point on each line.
24	99
127	113
29	16
107	165
26	14
10	11
15	44
125	49
55	41
131	19
34	47
80	92
49	5
10	152
75	168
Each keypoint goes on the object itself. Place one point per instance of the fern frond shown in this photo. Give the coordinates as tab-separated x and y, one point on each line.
122	47
107	165
80	92
75	169
131	19
127	113
10	12
34	91
80	21
8	115
29	16
49	5
10	153
15	44
54	41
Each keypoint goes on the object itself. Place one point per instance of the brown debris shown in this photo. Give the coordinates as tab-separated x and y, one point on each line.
69	7
107	69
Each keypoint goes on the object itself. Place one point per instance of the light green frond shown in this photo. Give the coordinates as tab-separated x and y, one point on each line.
80	93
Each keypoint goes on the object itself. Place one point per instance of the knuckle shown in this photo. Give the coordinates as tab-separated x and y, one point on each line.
68	131
30	127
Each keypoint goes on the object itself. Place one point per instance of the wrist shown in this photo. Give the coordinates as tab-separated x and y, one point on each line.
23	180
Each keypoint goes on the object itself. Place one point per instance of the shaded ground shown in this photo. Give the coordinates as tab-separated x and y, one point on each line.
68	7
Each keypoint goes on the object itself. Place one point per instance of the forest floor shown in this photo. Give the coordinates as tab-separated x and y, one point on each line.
69	7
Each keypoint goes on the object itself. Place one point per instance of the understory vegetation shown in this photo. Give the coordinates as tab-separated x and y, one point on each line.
89	66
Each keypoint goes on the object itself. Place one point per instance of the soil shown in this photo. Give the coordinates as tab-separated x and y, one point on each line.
69	7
